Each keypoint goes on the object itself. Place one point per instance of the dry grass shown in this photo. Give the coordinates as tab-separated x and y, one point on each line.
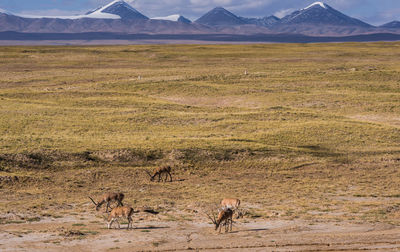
311	132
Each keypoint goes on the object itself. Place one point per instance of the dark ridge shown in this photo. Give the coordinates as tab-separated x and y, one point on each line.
277	38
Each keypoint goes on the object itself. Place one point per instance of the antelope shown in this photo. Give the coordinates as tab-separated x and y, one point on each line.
232	204
224	218
159	171
108	198
118	212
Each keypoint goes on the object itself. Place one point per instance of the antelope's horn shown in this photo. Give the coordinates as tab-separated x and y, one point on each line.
212	219
93	201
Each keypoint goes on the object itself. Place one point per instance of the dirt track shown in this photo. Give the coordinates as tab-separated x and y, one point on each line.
262	235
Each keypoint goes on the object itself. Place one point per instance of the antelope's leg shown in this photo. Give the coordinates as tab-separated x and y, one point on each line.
170	177
159	177
130	222
110	223
108	205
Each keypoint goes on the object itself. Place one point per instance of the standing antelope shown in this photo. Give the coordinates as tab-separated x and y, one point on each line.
108	198
159	171
118	212
232	204
224	218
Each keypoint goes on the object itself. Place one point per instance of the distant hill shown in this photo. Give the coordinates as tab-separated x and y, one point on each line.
265	21
392	25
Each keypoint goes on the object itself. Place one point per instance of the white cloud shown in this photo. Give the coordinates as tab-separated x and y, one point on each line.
282	13
51	12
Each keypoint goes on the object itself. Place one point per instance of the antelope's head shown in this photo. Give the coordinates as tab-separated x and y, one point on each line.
151	176
96	204
214	219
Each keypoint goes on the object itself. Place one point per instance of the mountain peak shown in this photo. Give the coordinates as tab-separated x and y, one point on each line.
320	13
219	16
119	8
219	8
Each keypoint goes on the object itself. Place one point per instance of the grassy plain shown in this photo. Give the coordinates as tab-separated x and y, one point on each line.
311	132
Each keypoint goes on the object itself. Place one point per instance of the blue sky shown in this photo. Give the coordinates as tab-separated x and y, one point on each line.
372	11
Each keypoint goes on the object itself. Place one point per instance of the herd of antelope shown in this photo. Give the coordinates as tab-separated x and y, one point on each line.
224	217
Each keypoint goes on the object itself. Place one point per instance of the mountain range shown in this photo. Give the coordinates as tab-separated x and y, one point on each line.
318	19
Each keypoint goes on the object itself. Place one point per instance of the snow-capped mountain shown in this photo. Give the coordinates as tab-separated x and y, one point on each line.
176	18
391	25
118	8
220	17
320	13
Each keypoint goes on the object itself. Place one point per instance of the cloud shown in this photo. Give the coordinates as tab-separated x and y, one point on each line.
282	13
383	17
51	12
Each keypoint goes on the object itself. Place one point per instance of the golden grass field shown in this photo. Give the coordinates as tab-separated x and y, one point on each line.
311	133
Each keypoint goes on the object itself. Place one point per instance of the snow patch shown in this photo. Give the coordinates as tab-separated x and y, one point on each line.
169	18
317	3
5	12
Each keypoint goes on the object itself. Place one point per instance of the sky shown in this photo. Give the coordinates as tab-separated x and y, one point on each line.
375	12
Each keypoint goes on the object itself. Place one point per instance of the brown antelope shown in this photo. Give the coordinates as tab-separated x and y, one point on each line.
159	171
119	212
232	204
224	218
108	198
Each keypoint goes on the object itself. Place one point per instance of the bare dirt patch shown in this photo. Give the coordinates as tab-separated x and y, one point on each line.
161	235
390	120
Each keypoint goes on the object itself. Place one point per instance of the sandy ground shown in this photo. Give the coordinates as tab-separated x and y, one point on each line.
156	234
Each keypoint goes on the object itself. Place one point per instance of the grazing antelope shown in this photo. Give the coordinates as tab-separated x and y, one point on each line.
159	171
232	204
224	219
108	198
118	212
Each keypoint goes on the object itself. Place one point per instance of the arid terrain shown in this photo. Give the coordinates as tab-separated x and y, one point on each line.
306	135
